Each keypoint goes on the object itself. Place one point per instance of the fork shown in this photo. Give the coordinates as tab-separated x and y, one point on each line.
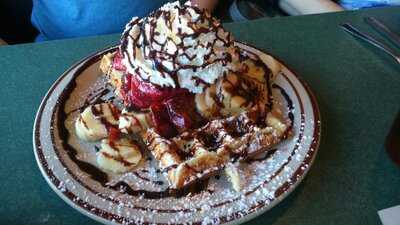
383	29
392	142
369	39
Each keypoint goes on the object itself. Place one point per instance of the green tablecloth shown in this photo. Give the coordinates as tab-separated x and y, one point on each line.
358	89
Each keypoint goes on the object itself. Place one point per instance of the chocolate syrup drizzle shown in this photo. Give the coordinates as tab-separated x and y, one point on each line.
96	97
107	215
267	155
159	56
121	186
97	174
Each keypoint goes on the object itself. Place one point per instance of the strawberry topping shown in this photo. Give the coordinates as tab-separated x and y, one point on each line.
162	121
117	62
141	94
182	112
173	109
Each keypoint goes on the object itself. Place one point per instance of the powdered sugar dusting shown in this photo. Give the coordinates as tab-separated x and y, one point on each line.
266	181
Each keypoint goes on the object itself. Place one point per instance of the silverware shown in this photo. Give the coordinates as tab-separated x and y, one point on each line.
392	142
357	33
383	29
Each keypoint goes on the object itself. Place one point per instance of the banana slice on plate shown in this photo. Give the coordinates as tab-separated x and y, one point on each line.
231	93
118	156
206	102
272	64
242	88
274	119
93	122
115	76
233	175
239	92
133	122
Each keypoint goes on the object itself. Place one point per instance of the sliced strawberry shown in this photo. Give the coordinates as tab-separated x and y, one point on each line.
142	94
117	62
173	109
161	121
156	93
182	112
177	113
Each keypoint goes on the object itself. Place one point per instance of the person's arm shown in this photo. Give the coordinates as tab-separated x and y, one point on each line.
2	42
205	4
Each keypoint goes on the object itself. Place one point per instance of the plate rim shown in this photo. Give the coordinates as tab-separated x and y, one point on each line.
315	144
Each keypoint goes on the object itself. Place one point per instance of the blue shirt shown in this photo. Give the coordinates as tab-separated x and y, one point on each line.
357	4
57	19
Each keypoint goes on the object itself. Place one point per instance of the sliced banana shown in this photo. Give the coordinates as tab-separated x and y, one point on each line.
205	102
106	66
233	102
106	62
118	156
274	119
244	87
203	162
272	64
251	70
92	123
233	175
133	122
241	92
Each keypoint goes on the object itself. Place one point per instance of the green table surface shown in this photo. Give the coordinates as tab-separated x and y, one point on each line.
357	87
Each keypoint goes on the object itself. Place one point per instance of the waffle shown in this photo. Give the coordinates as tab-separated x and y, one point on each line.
197	155
114	76
238	134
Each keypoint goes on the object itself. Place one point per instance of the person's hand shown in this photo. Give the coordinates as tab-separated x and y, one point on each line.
2	42
209	5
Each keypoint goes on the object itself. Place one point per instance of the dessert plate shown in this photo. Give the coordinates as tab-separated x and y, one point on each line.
137	197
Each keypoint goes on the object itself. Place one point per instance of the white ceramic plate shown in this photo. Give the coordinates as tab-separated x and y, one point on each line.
68	164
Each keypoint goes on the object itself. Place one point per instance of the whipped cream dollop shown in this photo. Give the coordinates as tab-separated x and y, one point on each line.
178	46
